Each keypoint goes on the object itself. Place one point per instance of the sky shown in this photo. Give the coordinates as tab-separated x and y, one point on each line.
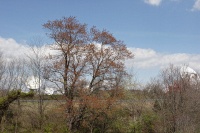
158	32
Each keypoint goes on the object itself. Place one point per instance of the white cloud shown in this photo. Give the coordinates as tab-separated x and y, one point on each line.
11	48
153	2
196	5
149	58
144	59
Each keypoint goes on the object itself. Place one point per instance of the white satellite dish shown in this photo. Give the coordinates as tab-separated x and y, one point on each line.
33	83
187	72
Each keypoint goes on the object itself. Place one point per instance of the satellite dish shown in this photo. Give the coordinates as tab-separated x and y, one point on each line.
49	91
187	72
33	83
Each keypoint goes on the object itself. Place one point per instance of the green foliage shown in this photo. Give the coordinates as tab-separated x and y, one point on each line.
14	95
27	95
135	127
148	123
5	103
48	129
52	128
120	122
6	100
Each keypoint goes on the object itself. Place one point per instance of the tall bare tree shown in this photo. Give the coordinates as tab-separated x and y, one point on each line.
37	66
93	56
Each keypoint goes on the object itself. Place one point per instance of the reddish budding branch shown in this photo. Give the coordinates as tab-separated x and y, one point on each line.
91	55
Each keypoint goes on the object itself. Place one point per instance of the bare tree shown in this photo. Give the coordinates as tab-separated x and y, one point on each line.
2	66
12	81
176	102
37	66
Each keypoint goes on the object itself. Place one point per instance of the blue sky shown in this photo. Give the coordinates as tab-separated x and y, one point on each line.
163	30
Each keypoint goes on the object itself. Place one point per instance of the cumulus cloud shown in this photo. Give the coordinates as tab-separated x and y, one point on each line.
149	58
11	48
144	58
153	2
196	5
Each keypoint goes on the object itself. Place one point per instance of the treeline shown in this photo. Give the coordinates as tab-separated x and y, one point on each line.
155	109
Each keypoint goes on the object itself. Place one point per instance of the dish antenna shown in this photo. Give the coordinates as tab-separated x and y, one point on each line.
187	72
